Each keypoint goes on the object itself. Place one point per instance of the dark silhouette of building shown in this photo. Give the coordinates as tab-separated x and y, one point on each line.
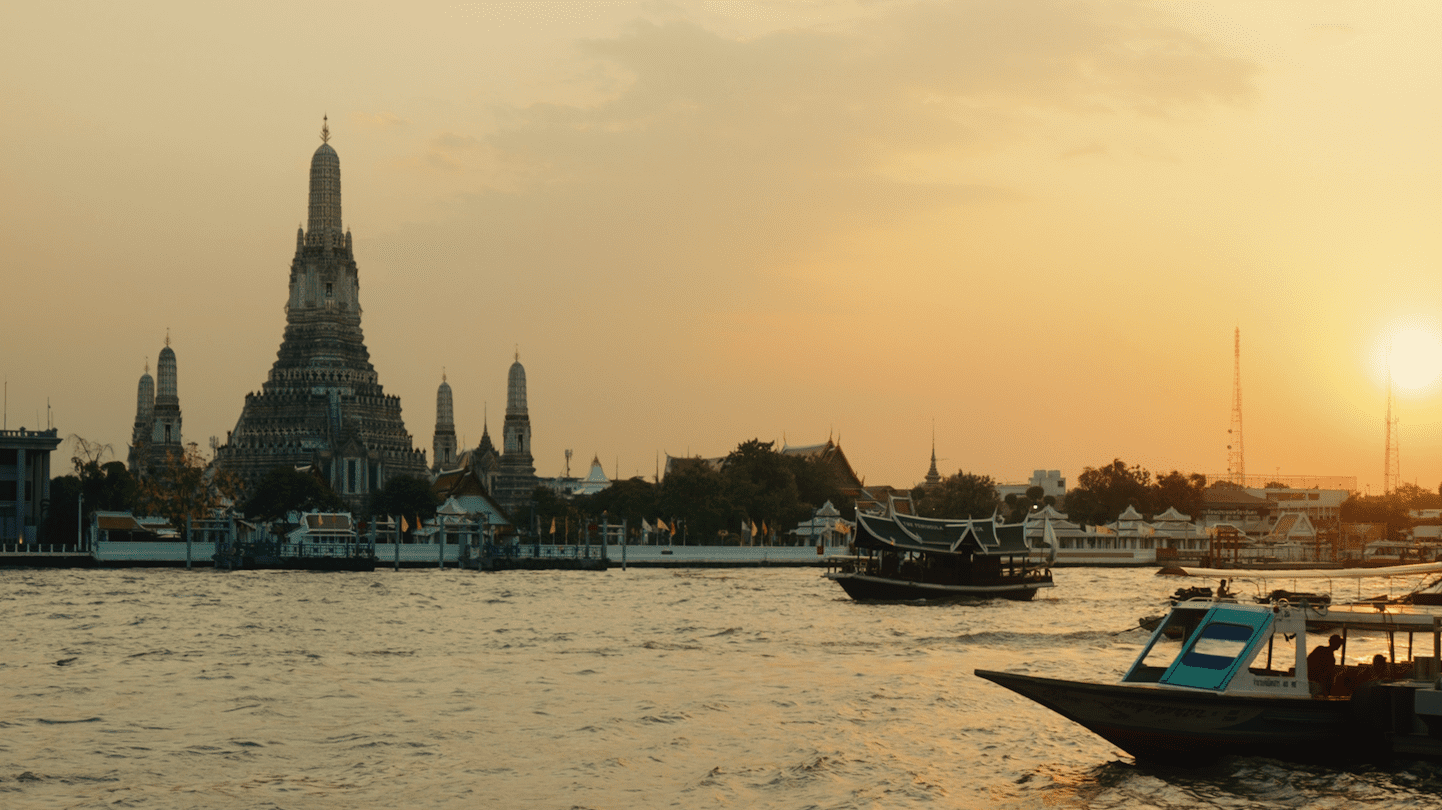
322	403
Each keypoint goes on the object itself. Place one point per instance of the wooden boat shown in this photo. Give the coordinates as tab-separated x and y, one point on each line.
1239	685
905	558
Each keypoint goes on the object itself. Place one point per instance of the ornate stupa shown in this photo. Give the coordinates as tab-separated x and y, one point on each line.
322	403
515	479
144	423
443	444
156	435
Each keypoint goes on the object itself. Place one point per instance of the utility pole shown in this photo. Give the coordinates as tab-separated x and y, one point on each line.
1236	458
1392	457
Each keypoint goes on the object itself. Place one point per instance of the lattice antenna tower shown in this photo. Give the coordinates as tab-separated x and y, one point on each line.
1236	458
1392	458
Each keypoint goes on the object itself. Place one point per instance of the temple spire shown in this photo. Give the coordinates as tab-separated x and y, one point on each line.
325	129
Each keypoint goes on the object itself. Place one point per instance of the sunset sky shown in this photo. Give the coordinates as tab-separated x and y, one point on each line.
1031	227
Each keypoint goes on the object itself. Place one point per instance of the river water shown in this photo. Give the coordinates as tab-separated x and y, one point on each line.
646	688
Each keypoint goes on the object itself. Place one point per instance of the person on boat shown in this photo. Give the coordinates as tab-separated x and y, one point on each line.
1381	670
1222	592
1322	666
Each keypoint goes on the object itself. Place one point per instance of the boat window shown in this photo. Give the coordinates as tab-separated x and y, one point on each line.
1218	645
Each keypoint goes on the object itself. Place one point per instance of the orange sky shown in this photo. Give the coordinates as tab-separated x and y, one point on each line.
1034	225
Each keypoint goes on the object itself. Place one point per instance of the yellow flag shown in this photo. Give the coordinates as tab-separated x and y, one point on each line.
661	525
405	527
553	525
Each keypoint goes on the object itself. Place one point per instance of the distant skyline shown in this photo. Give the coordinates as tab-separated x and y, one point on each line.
1034	226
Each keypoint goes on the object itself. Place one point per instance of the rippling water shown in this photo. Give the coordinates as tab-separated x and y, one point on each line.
636	689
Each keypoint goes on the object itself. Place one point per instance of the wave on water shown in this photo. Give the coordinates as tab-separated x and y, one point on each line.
1237	782
990	638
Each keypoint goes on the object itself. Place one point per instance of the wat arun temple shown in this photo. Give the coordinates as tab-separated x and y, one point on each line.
322	404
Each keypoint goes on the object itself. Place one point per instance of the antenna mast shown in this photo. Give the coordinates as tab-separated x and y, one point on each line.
1236	458
1392	459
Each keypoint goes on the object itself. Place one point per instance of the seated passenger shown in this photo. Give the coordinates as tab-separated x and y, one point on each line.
1380	669
1321	666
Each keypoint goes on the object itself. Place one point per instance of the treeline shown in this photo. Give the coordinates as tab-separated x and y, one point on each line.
1103	493
754	484
1391	508
185	487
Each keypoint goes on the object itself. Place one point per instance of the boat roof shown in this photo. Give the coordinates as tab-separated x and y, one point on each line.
911	533
1306	573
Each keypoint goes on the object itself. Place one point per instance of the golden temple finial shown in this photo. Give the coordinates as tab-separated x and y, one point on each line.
325	129
518	352
443	373
167	336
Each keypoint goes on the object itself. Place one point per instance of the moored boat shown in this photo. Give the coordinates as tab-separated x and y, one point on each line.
1239	684
904	558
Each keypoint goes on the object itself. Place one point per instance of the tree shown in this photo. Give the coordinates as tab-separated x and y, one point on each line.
184	487
95	485
1185	493
552	507
631	500
1102	494
1384	509
694	492
964	495
285	489
761	487
405	496
1411	496
816	484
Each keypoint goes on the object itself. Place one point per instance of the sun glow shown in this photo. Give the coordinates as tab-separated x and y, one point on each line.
1413	353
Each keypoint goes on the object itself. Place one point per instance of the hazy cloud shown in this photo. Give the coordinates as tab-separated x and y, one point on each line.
380	120
744	147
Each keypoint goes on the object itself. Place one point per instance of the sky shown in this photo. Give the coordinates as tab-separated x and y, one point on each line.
1028	230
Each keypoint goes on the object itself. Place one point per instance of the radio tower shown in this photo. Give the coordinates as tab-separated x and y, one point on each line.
1392	462
1236	459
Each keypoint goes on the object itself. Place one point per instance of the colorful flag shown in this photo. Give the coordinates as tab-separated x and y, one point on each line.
553	525
661	525
405	527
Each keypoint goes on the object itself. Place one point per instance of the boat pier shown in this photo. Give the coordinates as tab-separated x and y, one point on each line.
456	545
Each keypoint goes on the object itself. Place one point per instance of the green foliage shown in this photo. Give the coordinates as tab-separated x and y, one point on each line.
185	487
817	483
97	484
552	507
964	495
1390	509
761	487
1103	494
631	500
1411	496
1185	493
405	496
755	483
694	492
285	489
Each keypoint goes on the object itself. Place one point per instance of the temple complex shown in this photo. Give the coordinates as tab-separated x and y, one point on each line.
322	403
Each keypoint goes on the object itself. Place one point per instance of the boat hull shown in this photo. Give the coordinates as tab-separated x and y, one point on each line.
866	587
1190	727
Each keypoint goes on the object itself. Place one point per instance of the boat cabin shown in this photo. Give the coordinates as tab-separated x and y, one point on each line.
1234	648
949	552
